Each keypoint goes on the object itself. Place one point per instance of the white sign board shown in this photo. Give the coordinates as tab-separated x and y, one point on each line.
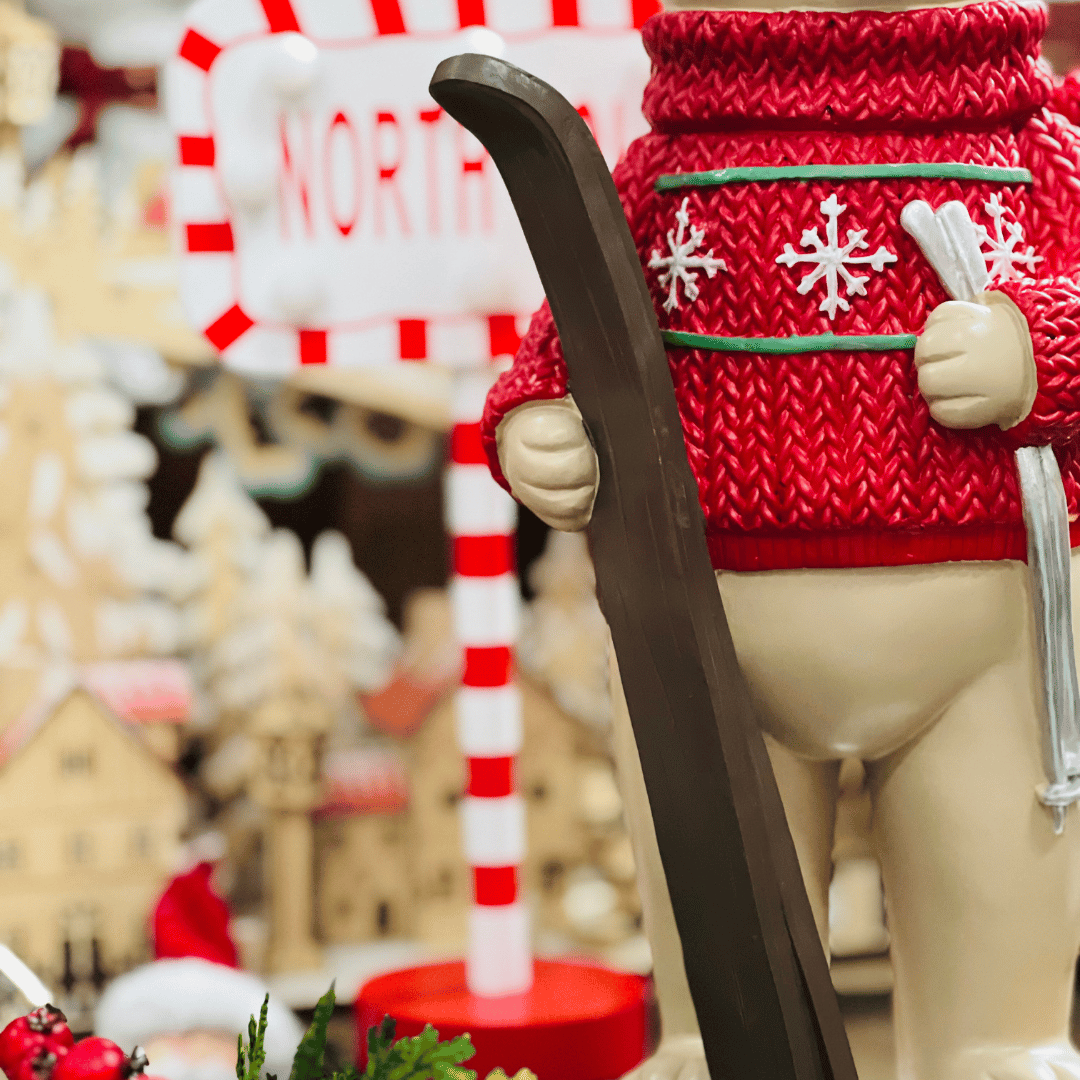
329	211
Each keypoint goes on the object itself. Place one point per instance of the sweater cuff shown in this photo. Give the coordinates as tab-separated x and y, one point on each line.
1052	311
538	374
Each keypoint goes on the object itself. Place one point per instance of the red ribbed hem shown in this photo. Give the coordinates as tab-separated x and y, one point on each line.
896	547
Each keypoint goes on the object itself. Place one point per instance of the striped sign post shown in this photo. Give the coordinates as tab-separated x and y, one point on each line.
484	600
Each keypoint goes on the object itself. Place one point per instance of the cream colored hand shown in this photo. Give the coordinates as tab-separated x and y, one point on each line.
975	363
549	462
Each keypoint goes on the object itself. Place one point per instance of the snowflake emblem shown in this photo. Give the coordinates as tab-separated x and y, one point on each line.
1005	253
833	260
682	263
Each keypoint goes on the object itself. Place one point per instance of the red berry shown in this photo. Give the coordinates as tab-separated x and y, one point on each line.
99	1059
28	1035
38	1066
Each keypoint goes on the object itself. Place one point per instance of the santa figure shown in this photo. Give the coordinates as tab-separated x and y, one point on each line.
187	1008
852	432
187	1013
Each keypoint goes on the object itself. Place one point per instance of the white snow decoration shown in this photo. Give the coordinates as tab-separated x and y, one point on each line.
219	503
51	557
682	264
588	898
44	138
123	455
139	626
227	769
351	625
1005	254
54	629
99	410
833	260
46	486
140	372
14	619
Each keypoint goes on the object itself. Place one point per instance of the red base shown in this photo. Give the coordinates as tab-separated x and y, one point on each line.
578	1022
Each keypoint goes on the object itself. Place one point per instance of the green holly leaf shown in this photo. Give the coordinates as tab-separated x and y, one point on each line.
308	1062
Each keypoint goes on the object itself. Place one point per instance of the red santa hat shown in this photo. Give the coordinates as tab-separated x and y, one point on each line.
190	919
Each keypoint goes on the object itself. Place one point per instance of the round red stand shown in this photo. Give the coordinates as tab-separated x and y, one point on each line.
578	1022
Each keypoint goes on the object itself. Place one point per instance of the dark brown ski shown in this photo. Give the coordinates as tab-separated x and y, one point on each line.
758	976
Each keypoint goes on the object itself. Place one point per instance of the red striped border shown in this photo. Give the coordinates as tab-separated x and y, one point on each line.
231	326
280	16
198	50
312	347
197	150
564	13
412	339
388	18
495	886
214	236
491	777
488	667
642	10
483	556
471	13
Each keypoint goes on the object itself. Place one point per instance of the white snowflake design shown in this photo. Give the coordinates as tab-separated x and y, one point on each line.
833	260
1005	254
682	263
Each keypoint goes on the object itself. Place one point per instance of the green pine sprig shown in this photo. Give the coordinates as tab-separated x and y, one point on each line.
249	1064
420	1057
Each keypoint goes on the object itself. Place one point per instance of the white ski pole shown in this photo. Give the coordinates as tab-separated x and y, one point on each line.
951	245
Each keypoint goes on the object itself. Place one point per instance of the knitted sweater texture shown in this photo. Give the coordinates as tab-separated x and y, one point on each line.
765	205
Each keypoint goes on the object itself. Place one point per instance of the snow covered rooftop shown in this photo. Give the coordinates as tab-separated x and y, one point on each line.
364	780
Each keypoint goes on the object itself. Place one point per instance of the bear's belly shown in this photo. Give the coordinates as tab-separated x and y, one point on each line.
856	662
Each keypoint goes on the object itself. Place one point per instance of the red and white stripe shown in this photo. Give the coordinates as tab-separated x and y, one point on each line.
485	601
208	271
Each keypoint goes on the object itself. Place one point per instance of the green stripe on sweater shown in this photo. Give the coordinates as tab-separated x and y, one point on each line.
785	346
931	170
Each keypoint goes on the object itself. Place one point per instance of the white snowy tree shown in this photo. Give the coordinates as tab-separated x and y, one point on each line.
84	578
564	639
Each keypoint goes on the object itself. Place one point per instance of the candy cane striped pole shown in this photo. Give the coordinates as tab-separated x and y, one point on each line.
485	602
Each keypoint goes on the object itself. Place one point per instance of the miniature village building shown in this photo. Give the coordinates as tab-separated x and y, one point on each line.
364	884
89	838
390	859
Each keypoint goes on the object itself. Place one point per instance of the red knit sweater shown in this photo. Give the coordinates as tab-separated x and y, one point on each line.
827	456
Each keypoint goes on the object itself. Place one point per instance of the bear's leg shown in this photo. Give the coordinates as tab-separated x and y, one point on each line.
983	899
809	792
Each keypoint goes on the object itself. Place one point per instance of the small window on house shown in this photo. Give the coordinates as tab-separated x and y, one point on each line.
551	874
79	849
382	919
445	882
9	854
142	844
76	762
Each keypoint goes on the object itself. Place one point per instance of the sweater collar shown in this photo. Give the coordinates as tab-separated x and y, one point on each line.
976	66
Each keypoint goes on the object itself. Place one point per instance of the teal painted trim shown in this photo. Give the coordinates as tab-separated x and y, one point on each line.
786	346
930	170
